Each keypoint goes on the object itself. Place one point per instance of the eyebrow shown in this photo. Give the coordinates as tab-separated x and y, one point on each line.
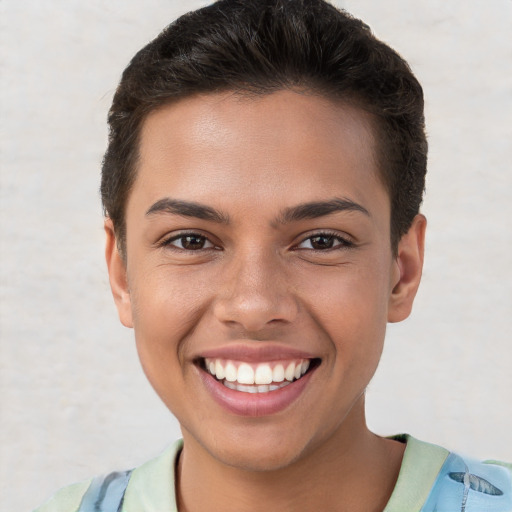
302	211
317	209
188	209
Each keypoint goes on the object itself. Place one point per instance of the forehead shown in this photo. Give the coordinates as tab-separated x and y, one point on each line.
280	146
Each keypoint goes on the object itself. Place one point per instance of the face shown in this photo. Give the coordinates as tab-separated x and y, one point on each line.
259	275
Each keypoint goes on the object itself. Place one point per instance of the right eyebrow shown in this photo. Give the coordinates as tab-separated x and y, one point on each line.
316	209
188	209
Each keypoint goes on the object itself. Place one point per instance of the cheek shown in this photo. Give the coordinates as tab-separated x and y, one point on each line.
165	313
164	296
355	295
165	308
350	305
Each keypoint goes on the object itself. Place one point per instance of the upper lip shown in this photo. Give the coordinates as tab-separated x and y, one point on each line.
257	352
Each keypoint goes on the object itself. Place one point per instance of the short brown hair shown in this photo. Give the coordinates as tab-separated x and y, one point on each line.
258	47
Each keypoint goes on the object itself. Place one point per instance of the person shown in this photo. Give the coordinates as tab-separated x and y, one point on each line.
262	189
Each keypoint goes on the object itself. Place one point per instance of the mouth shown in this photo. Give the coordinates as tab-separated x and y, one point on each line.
257	378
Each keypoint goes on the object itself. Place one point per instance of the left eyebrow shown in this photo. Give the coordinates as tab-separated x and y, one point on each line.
317	209
187	209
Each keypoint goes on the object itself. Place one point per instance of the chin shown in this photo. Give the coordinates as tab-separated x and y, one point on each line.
258	460
257	450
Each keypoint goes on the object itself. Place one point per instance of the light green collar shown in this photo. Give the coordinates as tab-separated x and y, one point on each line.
151	486
420	466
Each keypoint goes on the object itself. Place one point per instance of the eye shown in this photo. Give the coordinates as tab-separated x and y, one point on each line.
189	242
324	242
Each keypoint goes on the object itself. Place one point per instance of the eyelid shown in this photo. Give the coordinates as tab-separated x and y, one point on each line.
346	241
166	241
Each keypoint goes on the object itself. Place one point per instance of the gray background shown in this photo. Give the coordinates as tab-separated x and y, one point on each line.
74	402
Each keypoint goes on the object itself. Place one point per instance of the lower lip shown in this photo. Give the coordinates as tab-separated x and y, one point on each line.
254	404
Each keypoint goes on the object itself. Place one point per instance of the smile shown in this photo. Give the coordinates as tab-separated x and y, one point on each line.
263	377
256	380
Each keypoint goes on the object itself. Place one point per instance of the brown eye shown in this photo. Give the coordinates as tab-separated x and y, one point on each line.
324	242
190	242
193	242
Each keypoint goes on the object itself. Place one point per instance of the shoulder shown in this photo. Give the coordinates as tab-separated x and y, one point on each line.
67	499
470	485
432	479
151	482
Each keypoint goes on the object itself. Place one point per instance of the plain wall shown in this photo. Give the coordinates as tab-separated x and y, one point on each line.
74	401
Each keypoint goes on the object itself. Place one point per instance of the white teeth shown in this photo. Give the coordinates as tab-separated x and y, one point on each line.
241	387
263	374
289	373
219	370
230	372
260	378
245	374
278	373
264	388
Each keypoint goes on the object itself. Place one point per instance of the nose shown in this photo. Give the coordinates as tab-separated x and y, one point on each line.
255	293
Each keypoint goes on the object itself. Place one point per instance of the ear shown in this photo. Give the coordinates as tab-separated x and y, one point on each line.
409	264
117	276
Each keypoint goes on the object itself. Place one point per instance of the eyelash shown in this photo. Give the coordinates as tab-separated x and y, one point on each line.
168	242
342	242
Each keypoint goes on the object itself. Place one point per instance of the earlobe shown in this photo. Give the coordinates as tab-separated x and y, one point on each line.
117	276
409	262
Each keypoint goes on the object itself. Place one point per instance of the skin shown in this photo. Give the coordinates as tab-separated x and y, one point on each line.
262	279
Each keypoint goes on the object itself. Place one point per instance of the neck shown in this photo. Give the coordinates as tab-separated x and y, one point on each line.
352	470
